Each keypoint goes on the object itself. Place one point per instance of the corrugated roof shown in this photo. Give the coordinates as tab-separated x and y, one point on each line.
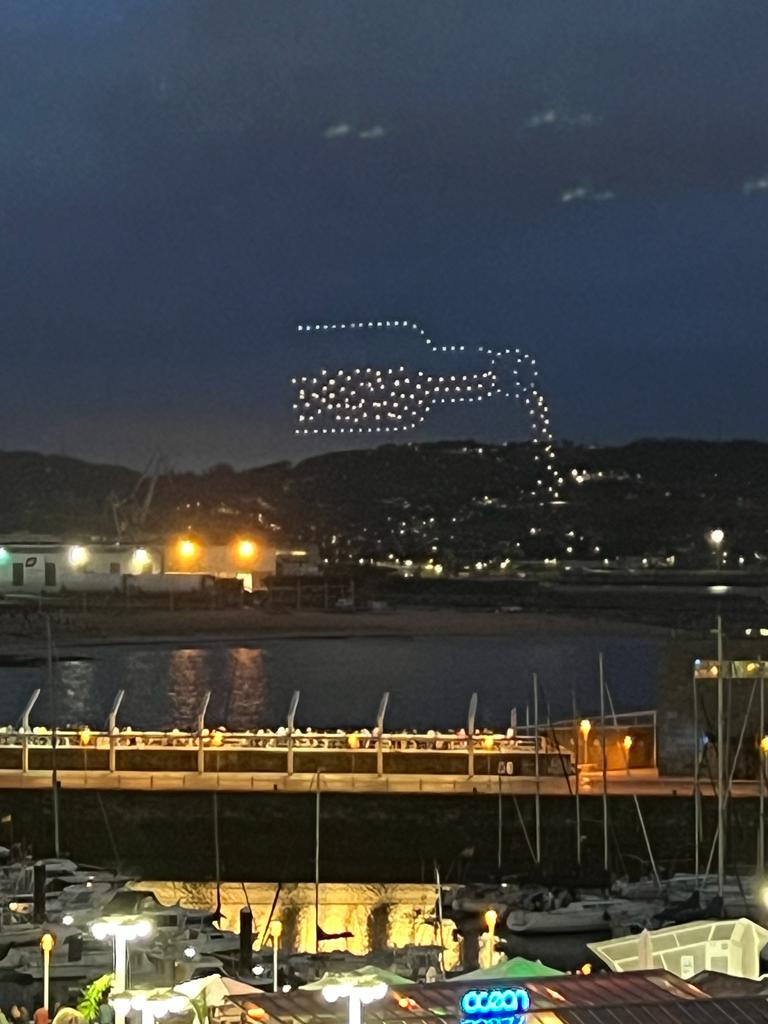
441	1002
749	1010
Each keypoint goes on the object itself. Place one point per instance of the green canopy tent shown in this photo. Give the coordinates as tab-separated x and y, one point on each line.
517	967
368	972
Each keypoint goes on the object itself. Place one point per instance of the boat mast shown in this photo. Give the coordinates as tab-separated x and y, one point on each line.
217	851
536	765
696	793
439	889
605	766
761	763
576	787
721	739
54	726
500	831
317	863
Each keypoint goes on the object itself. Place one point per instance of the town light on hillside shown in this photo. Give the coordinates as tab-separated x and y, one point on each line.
716	538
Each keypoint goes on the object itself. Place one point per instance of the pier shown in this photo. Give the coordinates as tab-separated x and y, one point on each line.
288	758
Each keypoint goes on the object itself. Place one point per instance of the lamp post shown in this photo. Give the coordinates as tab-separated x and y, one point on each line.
359	990
121	930
490	917
761	829
47	942
716	538
275	931
627	744
585	728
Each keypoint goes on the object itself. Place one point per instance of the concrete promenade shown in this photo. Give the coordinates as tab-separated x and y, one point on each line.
640	782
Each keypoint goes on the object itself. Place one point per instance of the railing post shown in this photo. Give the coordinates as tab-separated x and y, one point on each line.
380	733
291	719
471	716
25	730
655	765
200	737
112	726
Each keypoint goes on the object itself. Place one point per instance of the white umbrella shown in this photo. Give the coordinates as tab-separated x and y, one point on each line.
215	989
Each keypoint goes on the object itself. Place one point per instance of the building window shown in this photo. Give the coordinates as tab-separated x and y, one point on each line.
18	574
50	574
114	568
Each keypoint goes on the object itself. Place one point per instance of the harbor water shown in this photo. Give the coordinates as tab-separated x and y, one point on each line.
341	679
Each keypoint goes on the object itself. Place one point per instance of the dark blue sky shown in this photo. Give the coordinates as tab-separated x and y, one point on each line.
182	182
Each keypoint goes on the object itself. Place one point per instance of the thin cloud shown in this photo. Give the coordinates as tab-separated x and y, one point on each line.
337	131
558	118
585	193
376	132
755	185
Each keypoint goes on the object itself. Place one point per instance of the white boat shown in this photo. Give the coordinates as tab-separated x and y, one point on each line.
588	914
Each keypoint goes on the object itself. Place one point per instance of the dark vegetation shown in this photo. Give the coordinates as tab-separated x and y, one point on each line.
455	503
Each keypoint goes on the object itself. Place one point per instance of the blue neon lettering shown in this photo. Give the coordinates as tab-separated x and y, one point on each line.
501	1001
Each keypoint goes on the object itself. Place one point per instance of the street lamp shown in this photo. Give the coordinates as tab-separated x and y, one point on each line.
627	743
585	727
275	931
761	822
121	930
490	917
47	942
151	1006
358	989
716	538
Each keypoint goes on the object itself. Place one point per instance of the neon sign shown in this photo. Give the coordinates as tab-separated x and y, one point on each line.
494	1005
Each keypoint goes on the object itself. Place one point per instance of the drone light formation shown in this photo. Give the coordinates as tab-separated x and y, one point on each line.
369	400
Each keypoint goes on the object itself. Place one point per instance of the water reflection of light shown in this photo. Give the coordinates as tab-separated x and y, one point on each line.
78	698
189	679
141	673
245	678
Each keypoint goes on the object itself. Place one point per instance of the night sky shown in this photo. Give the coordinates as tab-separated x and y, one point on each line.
183	182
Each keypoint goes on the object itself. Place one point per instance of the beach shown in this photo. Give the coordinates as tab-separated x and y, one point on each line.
145	625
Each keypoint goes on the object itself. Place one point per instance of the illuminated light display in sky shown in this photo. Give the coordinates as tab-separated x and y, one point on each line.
397	399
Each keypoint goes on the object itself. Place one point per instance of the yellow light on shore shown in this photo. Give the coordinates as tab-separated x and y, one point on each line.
85	736
490	917
585	728
275	929
627	743
246	549
188	549
764	745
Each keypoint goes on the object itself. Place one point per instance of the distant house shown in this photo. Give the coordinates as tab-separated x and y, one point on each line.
298	562
38	565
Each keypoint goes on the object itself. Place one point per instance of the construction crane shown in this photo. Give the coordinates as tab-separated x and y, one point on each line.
130	513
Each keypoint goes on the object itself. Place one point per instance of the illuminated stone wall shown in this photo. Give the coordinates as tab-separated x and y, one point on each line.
378	916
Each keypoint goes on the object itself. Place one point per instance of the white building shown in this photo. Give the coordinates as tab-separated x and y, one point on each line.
50	566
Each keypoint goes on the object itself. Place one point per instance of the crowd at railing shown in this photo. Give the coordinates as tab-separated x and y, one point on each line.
281	738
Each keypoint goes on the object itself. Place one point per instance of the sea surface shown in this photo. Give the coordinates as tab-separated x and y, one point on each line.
430	680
